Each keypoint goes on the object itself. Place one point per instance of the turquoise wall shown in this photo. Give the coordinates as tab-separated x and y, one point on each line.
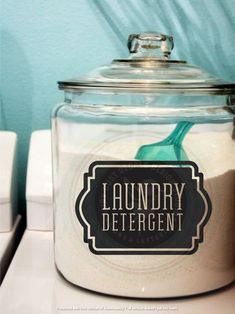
44	41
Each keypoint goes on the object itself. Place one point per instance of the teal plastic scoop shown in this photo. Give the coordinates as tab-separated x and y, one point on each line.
169	149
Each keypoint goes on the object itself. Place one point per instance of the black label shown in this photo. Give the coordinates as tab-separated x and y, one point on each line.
141	207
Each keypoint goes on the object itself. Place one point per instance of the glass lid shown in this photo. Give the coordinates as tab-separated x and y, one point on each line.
150	69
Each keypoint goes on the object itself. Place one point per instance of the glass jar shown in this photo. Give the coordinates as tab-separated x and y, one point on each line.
144	176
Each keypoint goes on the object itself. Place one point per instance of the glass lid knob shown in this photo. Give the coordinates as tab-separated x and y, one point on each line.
151	45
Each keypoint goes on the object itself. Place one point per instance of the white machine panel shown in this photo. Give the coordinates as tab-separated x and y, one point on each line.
8	180
39	182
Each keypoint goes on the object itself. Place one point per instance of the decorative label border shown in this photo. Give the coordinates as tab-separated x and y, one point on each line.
91	240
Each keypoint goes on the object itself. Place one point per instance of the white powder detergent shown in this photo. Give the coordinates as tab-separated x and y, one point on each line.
210	267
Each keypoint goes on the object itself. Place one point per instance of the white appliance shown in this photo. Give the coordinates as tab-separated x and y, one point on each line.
9	221
33	286
8	141
39	182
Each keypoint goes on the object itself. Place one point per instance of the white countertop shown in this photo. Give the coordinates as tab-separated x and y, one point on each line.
33	286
